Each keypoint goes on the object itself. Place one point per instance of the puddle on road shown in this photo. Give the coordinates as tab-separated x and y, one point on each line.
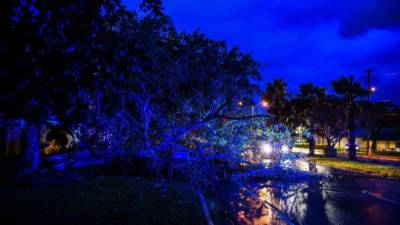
339	200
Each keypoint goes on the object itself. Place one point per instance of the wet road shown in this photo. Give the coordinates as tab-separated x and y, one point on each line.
342	199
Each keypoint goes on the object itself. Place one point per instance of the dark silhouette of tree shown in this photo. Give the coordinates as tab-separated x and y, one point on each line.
39	55
351	91
118	79
330	123
282	107
309	99
277	97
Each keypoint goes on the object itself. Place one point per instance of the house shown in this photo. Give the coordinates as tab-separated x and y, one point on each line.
11	138
389	140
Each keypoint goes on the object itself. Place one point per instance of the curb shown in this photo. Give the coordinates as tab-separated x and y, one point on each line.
355	173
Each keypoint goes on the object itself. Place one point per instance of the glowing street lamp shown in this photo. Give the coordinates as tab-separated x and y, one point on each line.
266	148
371	90
240	103
264	103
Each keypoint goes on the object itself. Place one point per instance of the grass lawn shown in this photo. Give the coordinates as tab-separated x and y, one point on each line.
382	153
365	167
108	200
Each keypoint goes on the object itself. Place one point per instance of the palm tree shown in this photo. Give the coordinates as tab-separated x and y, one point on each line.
276	95
282	106
350	90
308	101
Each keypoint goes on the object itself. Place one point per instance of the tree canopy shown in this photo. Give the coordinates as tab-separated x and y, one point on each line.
115	77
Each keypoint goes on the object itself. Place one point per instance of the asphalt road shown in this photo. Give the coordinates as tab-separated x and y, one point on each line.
344	198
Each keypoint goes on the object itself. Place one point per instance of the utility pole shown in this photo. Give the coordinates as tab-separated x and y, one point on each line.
369	111
369	84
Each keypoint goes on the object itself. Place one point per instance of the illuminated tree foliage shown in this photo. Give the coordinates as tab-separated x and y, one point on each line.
284	108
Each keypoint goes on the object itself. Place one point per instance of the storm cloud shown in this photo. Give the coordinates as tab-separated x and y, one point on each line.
302	41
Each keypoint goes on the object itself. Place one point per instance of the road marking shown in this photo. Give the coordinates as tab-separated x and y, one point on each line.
375	195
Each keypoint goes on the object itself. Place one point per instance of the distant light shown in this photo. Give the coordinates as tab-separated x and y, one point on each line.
300	129
266	148
264	103
240	103
285	148
373	89
347	146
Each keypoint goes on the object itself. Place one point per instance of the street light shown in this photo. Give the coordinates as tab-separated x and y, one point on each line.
371	90
240	103
266	148
264	103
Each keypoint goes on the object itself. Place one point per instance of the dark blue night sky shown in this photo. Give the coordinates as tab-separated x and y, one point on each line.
303	41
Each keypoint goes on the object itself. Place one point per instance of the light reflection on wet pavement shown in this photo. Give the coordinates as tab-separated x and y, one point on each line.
341	199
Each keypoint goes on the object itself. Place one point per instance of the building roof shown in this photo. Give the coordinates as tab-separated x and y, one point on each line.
387	134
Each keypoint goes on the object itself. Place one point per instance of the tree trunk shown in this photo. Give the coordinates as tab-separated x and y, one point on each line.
374	144
352	138
290	146
146	116
98	98
31	156
375	136
330	150
3	141
352	146
311	145
170	161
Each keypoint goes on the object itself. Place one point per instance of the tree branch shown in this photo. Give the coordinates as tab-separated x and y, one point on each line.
243	117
